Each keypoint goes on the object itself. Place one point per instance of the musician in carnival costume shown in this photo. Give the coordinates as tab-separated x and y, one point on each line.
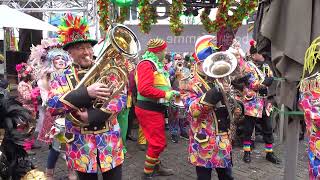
154	94
309	103
92	134
209	144
257	78
178	124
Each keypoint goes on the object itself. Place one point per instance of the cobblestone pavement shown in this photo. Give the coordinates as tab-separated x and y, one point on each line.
175	157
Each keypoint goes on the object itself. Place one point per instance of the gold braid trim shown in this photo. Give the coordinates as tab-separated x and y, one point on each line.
307	85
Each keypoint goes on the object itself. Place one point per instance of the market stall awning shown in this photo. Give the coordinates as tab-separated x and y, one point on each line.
13	18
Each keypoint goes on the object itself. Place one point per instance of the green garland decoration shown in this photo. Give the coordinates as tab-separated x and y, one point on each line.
244	9
104	13
147	15
124	11
176	25
212	26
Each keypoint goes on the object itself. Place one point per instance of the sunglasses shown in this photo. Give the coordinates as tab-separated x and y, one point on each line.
177	58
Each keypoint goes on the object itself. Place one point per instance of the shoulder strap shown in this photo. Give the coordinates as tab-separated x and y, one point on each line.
259	72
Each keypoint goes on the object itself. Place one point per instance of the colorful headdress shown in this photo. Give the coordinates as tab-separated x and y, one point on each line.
74	30
156	45
52	53
311	57
253	47
205	46
37	59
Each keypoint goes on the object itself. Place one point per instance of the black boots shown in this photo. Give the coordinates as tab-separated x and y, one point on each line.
247	157
159	170
272	158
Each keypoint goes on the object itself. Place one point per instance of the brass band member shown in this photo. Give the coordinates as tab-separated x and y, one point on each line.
209	144
97	142
259	78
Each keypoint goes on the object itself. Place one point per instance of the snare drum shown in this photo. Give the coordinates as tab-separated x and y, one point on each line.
179	108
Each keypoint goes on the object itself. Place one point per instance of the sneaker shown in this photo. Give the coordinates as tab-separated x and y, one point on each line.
270	156
174	138
247	157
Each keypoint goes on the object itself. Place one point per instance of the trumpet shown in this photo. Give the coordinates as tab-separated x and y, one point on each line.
179	66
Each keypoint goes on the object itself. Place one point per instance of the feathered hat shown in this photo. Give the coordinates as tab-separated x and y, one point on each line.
253	47
74	30
205	46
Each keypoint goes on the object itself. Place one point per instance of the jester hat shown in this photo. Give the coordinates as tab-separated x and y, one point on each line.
156	45
205	46
74	30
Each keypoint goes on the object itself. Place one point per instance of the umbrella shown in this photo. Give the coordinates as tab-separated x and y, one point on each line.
12	18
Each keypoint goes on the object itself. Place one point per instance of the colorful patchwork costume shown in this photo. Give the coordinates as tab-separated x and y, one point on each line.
258	77
209	144
99	142
309	103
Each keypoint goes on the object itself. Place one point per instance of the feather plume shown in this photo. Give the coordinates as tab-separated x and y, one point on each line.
72	28
312	56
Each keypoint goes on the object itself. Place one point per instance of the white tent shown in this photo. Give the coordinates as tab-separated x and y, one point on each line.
16	19
12	18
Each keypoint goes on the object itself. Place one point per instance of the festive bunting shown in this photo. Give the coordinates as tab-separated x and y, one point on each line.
176	25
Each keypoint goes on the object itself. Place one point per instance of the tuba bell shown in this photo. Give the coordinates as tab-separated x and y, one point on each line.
220	66
108	67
